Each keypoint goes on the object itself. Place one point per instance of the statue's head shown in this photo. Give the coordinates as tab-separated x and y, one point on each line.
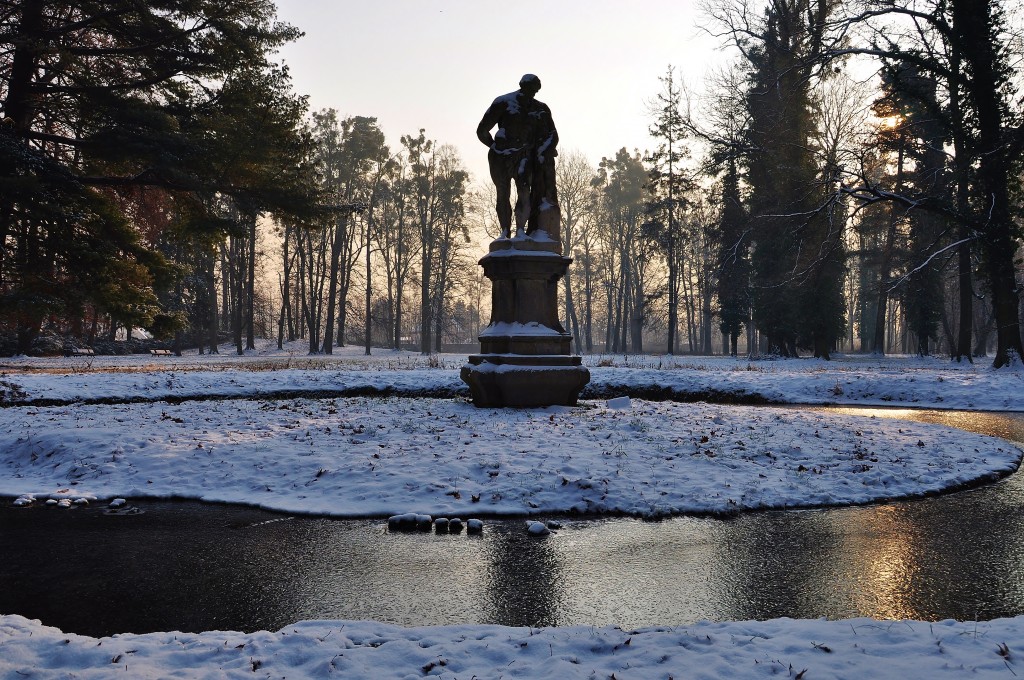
529	84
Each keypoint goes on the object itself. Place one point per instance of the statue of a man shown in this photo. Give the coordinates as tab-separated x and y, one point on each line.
523	150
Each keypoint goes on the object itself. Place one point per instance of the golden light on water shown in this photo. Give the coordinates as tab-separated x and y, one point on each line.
891	413
885	560
971	421
891	557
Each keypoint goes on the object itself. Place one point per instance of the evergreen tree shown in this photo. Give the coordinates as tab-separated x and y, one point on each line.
733	262
626	255
978	35
912	112
798	257
668	185
101	99
724	128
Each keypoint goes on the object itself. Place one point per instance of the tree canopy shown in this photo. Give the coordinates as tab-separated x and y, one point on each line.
122	119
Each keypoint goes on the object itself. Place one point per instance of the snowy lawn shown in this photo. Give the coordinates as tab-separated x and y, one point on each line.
781	648
362	456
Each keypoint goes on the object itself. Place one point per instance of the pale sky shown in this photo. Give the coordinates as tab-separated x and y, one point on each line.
438	64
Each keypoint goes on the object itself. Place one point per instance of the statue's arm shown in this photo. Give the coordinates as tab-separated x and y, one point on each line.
490	119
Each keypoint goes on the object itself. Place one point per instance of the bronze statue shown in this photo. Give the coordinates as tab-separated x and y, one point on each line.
523	150
525	357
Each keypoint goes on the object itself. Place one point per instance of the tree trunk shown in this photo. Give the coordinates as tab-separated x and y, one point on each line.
973	24
636	320
706	314
673	291
399	287
332	284
280	329
588	312
95	322
284	308
752	340
367	331
286	285
339	340
608	347
438	329
885	269
250	289
306	289
398	312
570	312
822	350
237	285
425	267
225	286
18	104
966	295
691	314
212	321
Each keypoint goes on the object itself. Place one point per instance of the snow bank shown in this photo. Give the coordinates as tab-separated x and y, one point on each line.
781	648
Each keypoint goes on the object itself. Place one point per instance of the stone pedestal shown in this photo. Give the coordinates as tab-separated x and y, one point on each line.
525	354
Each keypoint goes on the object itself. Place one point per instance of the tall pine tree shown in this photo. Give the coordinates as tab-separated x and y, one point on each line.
798	257
101	100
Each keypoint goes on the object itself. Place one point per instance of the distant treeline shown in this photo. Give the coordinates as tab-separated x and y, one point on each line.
158	171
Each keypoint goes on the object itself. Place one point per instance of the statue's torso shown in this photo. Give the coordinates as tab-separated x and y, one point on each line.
521	123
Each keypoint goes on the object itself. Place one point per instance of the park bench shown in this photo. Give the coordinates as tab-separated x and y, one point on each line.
160	352
80	352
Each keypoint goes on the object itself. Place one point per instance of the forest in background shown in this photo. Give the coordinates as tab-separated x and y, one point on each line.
158	171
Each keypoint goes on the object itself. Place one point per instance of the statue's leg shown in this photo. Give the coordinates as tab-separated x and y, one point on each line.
503	191
504	208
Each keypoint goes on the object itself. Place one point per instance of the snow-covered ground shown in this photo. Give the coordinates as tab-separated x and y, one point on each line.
353	455
782	648
358	456
929	382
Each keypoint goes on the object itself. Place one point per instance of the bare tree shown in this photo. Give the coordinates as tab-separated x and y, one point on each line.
578	202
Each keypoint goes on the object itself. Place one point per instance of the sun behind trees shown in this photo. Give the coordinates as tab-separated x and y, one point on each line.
836	225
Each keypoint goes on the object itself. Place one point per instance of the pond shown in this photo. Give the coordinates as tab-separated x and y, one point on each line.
190	566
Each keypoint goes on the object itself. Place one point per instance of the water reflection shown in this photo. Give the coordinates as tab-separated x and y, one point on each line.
883	559
525	578
200	567
614	570
355	570
1006	425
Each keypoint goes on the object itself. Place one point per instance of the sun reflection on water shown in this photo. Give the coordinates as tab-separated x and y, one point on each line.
885	558
980	422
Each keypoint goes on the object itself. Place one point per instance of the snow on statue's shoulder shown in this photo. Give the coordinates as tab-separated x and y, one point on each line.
510	101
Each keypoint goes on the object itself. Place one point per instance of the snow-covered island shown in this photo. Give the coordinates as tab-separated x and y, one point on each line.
338	436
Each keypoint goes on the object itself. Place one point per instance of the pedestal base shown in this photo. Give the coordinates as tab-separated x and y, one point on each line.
525	355
497	380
